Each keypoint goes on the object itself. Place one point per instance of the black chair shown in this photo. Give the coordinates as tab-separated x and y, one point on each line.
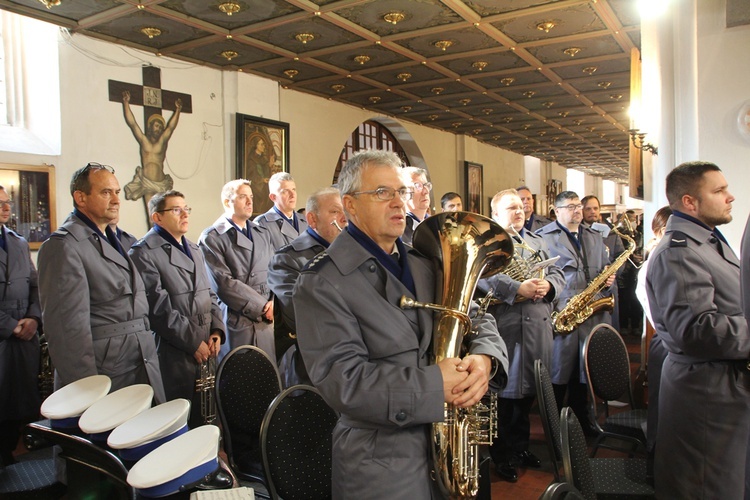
33	477
247	381
608	372
561	491
91	471
602	477
545	397
296	444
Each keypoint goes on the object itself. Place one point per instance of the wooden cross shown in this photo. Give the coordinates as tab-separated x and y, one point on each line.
150	95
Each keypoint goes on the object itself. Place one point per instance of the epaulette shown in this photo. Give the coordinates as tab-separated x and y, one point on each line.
679	239
59	233
317	262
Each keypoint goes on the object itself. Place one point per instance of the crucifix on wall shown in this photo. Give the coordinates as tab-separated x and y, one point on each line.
150	177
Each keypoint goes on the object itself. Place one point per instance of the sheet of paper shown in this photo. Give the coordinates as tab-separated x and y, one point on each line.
543	264
243	493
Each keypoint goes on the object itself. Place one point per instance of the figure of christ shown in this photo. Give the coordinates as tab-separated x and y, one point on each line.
150	178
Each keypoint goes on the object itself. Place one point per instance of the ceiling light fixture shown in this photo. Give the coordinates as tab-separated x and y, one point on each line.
465	101
529	94
405	109
433	117
403	76
374	99
487	111
361	59
394	17
443	44
507	80
291	73
546	26
150	31
615	97
572	51
437	90
229	8
604	85
456	124
564	114
50	3
590	70
304	37
337	87
548	104
229	54
479	65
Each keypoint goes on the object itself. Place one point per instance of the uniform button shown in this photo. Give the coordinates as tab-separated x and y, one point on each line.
372	268
401	416
252	275
712	240
528	318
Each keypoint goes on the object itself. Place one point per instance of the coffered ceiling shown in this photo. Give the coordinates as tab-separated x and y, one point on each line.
544	78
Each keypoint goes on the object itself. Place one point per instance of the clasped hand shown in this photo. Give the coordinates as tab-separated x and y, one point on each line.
465	380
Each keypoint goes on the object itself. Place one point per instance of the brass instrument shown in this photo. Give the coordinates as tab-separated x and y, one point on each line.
583	306
46	370
519	268
205	385
464	246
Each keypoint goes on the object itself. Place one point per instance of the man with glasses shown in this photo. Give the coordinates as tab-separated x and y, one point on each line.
237	252
281	220
583	256
325	221
20	316
183	309
532	222
368	357
94	305
415	179
523	305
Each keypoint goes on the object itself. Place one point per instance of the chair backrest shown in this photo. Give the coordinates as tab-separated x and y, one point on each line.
575	455
247	381
92	472
548	413
296	443
607	364
561	491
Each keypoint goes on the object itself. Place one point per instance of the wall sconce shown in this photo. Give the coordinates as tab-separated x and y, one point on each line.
638	140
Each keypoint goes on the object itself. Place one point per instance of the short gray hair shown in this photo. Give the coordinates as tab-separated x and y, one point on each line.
229	190
350	178
274	183
313	202
409	172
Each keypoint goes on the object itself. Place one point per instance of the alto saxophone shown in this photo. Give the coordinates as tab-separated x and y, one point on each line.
584	305
466	246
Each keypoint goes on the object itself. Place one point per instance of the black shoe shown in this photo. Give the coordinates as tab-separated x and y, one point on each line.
221	480
507	471
527	459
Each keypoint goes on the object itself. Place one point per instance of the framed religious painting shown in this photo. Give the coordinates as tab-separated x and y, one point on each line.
31	190
262	150
474	182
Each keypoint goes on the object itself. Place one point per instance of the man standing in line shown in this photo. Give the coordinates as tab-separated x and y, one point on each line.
694	293
532	221
523	304
94	305
237	253
417	207
20	316
583	256
451	202
325	219
368	357
183	308
281	220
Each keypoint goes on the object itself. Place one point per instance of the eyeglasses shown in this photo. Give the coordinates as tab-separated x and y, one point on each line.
6	203
387	194
572	207
89	167
418	186
177	210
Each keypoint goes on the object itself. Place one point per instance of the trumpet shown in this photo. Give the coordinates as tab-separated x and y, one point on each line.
205	385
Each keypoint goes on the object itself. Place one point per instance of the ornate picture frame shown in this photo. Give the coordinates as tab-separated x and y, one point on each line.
474	187
262	150
32	189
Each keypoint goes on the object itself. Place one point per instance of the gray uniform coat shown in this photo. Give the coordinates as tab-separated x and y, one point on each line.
693	287
569	348
526	325
182	308
411	225
538	222
280	231
95	311
238	270
19	359
370	360
283	271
